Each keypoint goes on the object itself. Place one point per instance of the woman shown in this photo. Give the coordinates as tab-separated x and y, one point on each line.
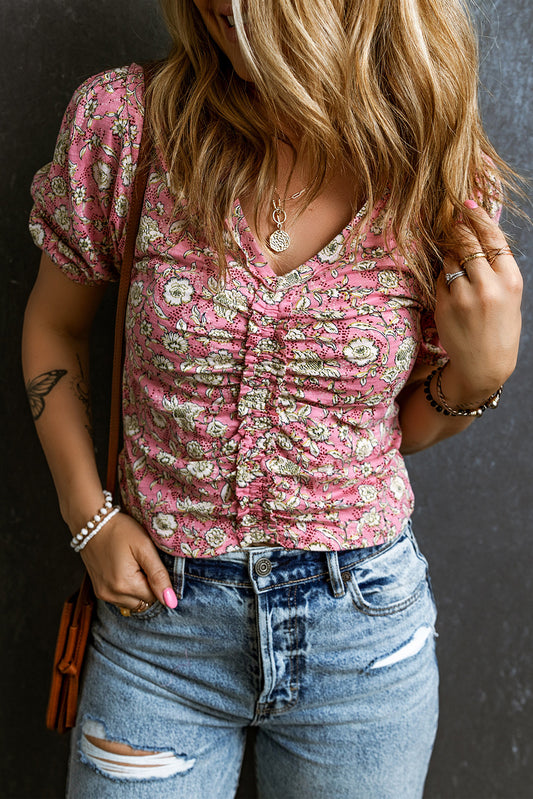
320	285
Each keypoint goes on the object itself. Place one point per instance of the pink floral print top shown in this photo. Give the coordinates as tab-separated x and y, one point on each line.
262	412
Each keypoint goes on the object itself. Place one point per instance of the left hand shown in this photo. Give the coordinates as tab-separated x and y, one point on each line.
478	316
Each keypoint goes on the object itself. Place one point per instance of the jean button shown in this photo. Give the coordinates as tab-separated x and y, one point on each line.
263	567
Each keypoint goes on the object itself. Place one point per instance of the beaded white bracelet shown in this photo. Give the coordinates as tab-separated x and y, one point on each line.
95	524
97	529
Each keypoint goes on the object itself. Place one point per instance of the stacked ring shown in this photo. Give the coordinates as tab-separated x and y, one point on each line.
451	276
139	607
490	255
493	254
142	605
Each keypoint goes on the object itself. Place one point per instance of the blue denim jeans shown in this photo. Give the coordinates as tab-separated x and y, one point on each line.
330	655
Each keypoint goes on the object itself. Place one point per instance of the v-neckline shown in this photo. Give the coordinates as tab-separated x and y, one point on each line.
258	260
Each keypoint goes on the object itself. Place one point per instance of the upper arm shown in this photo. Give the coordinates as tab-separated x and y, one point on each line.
60	304
81	201
82	197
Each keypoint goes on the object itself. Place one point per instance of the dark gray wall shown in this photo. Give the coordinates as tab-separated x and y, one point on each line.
474	510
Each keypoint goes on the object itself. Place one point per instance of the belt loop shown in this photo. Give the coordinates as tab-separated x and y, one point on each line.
179	575
335	576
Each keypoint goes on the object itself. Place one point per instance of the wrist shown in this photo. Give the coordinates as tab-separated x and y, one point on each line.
80	508
463	391
96	523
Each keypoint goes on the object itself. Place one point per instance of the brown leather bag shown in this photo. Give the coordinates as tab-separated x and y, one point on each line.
78	609
68	658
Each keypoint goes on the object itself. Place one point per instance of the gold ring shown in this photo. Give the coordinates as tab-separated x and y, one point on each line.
142	605
493	254
125	611
471	257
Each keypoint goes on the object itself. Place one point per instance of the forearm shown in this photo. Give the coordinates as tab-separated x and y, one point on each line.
422	425
55	370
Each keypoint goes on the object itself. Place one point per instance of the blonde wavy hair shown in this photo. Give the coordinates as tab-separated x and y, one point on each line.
388	86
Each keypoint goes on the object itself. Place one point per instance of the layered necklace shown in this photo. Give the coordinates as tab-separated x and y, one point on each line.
279	240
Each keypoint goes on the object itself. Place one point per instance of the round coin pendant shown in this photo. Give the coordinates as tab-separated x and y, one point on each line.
279	241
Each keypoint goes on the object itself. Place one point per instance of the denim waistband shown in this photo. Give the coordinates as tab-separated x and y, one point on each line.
265	568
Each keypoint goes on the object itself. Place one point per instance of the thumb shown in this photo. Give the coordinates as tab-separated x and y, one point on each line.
157	576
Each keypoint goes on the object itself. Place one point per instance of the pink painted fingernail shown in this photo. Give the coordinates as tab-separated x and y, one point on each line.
171	600
471	204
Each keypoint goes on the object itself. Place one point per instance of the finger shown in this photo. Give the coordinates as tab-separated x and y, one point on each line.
459	285
140	607
466	246
125	587
132	586
134	599
491	238
156	575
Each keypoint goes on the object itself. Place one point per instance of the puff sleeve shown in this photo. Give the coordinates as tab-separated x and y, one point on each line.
81	198
430	352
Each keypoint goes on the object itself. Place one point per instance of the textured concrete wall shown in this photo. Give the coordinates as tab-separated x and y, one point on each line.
474	511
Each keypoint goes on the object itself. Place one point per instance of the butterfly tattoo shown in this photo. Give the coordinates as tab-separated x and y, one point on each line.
39	387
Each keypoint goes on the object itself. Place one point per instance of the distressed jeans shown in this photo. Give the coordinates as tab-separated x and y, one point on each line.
330	655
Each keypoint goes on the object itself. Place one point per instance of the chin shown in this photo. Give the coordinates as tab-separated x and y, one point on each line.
243	74
239	68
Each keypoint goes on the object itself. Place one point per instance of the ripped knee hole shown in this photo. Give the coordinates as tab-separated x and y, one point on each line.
120	760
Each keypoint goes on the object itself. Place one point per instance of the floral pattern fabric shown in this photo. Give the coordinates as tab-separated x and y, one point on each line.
259	412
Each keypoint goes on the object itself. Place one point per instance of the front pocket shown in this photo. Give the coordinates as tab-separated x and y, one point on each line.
390	581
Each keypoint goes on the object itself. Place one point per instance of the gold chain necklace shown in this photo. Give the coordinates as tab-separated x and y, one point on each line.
279	240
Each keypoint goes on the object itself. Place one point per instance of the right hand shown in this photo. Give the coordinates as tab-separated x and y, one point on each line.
124	565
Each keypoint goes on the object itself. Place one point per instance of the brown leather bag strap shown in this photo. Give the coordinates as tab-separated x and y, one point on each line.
132	227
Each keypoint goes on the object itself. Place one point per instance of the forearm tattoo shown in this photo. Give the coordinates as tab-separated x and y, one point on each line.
81	388
39	387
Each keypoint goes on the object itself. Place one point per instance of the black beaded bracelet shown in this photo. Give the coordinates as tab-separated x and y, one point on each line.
443	407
